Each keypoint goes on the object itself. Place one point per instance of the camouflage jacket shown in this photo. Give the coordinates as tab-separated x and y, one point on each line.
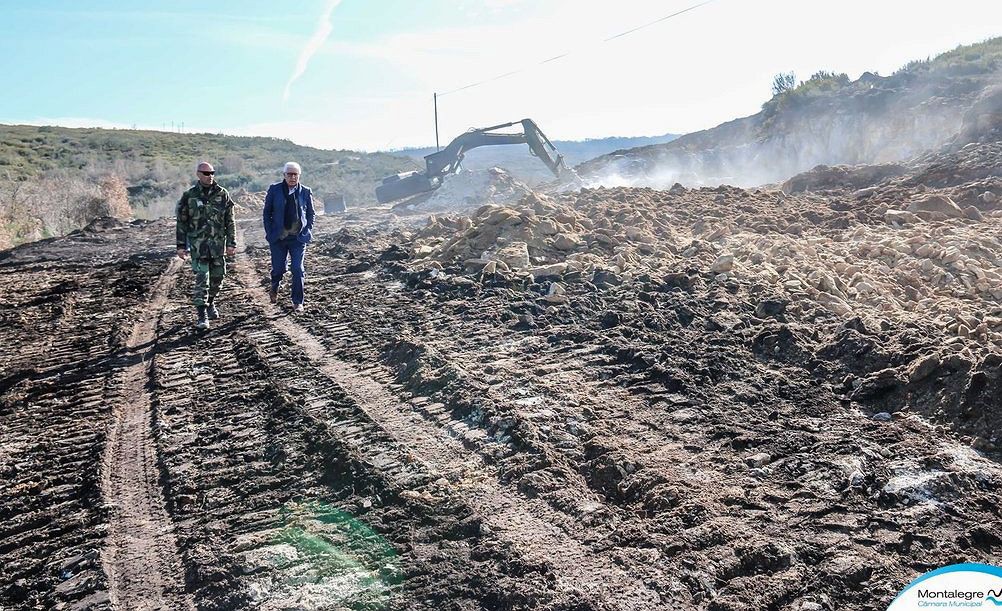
205	221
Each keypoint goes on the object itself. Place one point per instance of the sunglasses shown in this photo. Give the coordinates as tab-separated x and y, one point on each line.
206	173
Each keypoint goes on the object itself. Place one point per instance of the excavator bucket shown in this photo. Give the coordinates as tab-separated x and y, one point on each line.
541	147
399	186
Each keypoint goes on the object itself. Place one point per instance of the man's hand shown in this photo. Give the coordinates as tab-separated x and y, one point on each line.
231	250
182	253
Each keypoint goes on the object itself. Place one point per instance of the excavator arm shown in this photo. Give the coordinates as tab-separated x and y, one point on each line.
447	161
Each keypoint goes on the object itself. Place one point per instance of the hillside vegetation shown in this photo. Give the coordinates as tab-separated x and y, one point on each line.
825	119
51	177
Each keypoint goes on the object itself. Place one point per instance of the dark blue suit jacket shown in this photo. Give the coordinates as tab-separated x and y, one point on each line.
274	212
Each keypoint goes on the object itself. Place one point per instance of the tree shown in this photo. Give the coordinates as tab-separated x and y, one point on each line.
783	82
832	79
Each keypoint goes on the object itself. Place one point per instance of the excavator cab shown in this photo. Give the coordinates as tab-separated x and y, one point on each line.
440	164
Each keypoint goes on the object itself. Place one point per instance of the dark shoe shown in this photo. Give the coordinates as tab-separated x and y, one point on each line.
203	322
273	296
211	312
298	307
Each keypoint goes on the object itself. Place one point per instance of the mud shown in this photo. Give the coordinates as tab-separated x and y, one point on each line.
474	414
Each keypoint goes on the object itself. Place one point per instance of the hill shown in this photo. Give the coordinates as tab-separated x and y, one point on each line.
149	169
515	158
826	119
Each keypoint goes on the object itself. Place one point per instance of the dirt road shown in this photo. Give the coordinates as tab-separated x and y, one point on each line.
409	443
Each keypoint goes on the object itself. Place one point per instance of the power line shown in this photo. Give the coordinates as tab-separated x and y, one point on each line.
656	21
562	55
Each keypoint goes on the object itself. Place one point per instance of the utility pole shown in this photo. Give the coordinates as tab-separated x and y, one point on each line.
435	98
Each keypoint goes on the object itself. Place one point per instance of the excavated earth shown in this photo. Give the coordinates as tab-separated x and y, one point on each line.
720	399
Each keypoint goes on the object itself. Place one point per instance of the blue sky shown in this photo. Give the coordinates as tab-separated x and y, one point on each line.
371	65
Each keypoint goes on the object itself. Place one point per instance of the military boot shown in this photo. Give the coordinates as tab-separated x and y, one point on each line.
210	311
203	322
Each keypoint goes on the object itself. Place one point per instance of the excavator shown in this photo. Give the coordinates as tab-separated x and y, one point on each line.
446	161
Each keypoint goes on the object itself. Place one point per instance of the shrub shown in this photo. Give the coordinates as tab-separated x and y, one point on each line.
783	82
115	196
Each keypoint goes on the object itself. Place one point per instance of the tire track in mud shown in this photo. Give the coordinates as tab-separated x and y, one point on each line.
233	455
672	450
140	557
547	461
528	525
681	457
56	392
674	463
286	495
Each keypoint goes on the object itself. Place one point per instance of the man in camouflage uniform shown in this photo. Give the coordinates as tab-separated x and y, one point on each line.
206	231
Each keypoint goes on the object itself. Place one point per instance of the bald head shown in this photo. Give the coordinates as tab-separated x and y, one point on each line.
205	173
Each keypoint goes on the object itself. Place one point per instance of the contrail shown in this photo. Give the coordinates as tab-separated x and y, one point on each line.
312	45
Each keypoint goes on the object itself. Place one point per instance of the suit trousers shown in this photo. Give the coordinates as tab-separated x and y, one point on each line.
283	252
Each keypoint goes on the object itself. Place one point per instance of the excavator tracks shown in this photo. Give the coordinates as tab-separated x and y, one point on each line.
404	444
66	326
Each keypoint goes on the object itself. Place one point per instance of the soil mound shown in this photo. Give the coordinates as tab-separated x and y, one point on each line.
248	203
468	190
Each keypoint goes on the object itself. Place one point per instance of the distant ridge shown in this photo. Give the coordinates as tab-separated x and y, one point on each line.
155	163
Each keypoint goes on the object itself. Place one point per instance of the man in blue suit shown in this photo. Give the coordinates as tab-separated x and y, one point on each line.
288	226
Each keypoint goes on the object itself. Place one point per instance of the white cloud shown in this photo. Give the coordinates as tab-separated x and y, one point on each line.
312	45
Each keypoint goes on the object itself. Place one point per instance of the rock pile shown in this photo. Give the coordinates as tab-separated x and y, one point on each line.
468	190
248	203
896	250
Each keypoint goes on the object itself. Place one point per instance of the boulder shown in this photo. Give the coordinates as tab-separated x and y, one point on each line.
555	294
901	217
515	255
545	271
564	241
973	213
723	263
935	203
548	227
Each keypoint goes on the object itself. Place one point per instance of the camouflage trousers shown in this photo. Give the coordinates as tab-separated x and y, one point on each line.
209	273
